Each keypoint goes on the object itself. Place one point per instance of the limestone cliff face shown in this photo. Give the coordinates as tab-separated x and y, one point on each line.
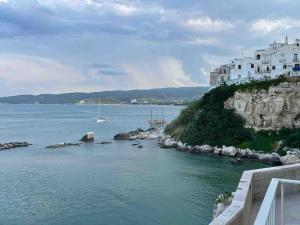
278	107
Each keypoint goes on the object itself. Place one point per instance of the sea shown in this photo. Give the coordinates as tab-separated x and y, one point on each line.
103	184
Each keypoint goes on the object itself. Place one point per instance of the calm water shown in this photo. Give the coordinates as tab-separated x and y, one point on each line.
116	184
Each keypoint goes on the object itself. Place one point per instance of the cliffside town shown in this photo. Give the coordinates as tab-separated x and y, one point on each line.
269	63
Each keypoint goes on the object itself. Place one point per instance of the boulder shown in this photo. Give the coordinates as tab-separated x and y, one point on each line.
272	159
197	149
217	151
242	153
180	146
190	149
167	143
252	154
229	151
289	159
294	151
206	149
88	137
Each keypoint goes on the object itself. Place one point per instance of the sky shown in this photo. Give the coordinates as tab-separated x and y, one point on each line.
58	46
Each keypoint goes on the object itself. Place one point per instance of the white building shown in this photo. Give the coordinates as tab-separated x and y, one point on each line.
269	63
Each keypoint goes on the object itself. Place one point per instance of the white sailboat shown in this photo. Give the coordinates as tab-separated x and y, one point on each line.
99	118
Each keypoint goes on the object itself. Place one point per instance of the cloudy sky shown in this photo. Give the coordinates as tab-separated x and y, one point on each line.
55	46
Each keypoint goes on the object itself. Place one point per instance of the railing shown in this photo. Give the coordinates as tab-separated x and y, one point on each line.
267	212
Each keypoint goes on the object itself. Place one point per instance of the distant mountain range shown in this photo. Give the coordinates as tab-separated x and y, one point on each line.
154	96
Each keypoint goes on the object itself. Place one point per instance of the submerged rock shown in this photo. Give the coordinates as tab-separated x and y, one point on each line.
105	142
236	161
62	145
88	137
10	145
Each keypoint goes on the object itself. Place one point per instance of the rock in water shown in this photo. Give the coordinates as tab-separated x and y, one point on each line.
272	159
105	142
62	145
88	137
6	146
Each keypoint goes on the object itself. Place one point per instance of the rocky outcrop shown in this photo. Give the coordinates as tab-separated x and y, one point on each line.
11	145
221	203
138	134
278	107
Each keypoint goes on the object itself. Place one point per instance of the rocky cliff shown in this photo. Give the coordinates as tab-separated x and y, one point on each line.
272	109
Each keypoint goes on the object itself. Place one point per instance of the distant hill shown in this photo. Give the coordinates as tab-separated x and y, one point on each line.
159	95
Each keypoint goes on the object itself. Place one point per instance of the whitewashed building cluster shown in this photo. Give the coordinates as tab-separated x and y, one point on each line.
269	63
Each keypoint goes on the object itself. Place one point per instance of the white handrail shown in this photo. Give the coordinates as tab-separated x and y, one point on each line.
267	214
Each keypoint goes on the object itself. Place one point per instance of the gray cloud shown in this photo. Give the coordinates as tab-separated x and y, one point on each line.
105	70
199	34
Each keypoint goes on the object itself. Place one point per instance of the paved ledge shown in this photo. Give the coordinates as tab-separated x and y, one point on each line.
250	192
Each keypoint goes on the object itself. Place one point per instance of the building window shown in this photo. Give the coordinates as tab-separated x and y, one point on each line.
258	69
284	66
239	76
252	65
297	66
298	44
258	57
295	57
268	69
239	67
273	67
222	79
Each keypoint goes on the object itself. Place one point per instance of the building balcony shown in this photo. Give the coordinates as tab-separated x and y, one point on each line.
262	200
296	68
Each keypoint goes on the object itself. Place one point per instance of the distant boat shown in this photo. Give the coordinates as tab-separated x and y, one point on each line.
100	119
136	142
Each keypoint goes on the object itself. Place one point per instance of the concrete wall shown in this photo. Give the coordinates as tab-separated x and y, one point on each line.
252	187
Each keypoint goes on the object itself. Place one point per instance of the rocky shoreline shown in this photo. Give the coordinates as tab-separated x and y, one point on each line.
292	156
11	145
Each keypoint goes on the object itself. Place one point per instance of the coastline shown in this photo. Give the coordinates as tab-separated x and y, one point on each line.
237	154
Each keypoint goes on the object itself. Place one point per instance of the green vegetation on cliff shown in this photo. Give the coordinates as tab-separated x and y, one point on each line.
205	121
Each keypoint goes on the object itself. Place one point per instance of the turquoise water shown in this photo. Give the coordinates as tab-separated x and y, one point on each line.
115	184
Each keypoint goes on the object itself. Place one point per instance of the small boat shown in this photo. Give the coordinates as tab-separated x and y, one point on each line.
136	142
99	118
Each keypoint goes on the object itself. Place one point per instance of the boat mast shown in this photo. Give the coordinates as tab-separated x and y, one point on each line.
99	108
